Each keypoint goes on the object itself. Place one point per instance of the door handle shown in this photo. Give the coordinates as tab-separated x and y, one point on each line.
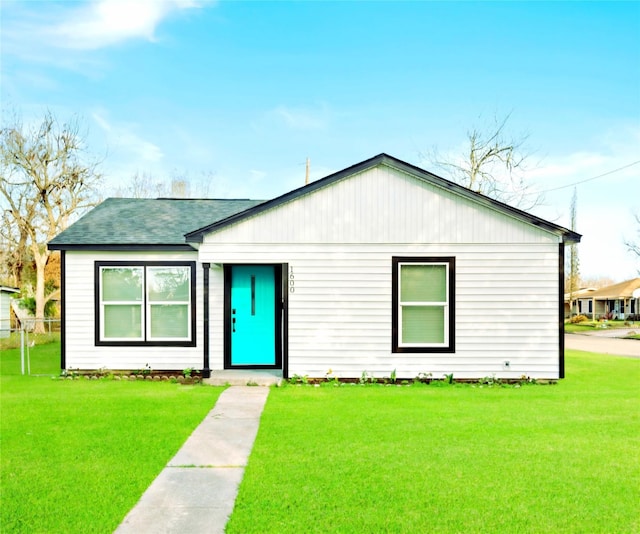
233	324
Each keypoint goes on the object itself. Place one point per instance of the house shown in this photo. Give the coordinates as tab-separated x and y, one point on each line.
5	309
618	301
571	302
380	267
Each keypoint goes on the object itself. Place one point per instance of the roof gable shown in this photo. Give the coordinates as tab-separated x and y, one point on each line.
568	236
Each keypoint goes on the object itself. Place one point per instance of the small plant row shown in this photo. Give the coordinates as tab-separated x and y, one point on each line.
421	378
188	375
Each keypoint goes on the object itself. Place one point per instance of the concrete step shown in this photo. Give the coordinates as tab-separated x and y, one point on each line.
242	377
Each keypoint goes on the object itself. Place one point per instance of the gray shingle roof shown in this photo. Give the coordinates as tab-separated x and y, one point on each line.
131	222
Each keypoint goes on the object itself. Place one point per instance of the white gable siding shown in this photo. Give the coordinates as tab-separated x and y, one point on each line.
382	205
81	351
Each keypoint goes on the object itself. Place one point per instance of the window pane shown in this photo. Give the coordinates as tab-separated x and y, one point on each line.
169	283
121	284
123	321
169	321
423	283
423	324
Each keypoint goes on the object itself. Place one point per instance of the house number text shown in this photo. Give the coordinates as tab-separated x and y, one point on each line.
292	281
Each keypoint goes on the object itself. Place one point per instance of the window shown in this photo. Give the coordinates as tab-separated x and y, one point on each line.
423	304
150	303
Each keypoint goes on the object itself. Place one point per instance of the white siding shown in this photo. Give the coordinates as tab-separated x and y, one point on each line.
340	310
81	352
5	314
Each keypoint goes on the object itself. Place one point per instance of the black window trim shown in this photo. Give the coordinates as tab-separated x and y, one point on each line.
395	315
144	343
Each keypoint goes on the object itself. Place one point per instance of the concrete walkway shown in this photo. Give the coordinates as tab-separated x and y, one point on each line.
197	489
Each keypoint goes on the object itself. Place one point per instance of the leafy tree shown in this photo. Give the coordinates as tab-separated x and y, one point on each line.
44	183
494	164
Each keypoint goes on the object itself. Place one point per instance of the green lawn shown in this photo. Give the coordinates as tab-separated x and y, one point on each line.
77	455
556	458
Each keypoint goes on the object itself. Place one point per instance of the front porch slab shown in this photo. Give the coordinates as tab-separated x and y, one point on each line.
244	377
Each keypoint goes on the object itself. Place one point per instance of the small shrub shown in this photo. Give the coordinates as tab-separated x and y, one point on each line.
331	377
578	319
490	381
299	379
367	378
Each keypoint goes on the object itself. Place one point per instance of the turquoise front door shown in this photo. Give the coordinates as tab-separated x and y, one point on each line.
252	318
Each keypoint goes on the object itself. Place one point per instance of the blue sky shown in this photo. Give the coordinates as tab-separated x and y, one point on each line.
246	91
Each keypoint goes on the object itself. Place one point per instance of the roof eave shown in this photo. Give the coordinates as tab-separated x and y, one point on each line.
147	247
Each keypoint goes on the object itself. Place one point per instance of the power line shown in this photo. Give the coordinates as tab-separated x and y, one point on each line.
590	179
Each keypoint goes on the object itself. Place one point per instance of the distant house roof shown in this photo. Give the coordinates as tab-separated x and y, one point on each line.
616	291
568	236
129	223
579	293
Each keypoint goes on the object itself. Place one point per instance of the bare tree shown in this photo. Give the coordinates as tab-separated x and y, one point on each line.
14	252
143	185
634	246
597	282
178	185
45	182
494	164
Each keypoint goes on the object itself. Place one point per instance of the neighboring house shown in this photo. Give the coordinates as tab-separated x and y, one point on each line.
618	301
569	310
379	267
5	309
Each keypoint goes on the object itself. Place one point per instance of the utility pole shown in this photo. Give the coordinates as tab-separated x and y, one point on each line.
306	176
574	275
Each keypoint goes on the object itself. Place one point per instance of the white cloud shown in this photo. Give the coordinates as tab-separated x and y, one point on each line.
33	33
616	149
107	22
302	118
125	144
604	205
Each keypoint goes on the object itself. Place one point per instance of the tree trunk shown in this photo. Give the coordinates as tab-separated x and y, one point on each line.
41	263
